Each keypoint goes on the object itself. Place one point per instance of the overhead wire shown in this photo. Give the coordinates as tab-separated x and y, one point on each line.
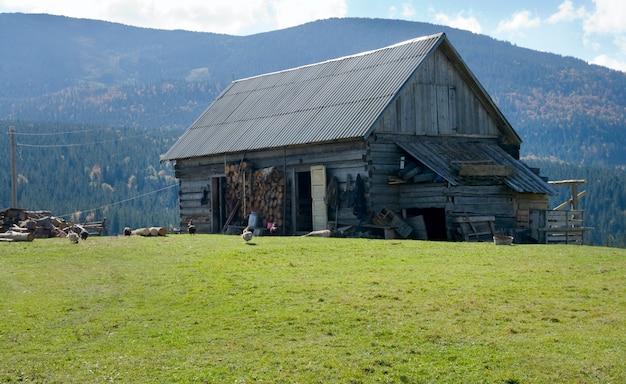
77	144
85	144
123	201
53	133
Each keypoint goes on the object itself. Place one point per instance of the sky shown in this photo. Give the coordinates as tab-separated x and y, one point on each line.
591	30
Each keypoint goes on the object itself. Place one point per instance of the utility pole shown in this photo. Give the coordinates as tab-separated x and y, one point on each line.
13	171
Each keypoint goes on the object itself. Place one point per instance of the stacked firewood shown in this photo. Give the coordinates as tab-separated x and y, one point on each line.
22	225
41	224
268	186
261	191
237	188
44	226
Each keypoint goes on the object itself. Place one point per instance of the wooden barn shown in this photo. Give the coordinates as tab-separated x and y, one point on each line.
400	142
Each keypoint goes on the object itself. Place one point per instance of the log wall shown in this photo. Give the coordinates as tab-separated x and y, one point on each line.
375	162
509	208
343	160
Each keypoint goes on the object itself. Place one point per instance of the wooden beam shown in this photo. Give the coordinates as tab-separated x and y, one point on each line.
567	182
473	219
485	170
570	201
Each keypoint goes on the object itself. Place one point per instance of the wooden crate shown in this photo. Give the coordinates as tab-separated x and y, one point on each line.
387	218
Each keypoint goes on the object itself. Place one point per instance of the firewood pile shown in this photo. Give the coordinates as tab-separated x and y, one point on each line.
261	191
44	227
16	223
41	224
268	195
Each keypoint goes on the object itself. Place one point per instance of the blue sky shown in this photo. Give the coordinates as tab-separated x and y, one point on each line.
592	30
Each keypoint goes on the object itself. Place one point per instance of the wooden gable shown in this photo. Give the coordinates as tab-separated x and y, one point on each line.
439	100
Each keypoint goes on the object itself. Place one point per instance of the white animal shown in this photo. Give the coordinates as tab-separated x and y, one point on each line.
247	235
72	236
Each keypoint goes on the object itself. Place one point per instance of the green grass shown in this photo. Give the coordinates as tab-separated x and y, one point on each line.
212	309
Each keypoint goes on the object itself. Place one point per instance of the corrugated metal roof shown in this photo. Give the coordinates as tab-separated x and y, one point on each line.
328	101
447	156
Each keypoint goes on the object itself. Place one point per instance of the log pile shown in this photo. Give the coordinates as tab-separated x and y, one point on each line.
413	172
261	191
150	231
40	224
44	226
237	176
268	188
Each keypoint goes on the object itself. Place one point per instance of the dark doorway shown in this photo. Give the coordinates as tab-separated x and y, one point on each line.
304	213
435	221
218	204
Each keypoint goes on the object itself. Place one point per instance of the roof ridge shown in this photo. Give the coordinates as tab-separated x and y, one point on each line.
365	53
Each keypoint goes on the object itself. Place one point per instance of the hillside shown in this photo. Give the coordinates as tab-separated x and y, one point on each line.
86	172
213	309
60	74
85	71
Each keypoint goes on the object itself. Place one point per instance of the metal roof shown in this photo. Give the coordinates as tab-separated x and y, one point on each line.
332	100
446	157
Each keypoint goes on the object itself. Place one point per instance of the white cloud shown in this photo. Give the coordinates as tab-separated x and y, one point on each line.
519	20
459	21
407	11
231	16
608	17
567	13
289	13
606	25
606	61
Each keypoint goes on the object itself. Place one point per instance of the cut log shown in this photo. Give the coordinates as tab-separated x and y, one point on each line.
158	231
17	236
408	168
424	177
142	232
409	175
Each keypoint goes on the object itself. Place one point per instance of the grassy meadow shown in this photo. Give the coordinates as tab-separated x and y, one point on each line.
213	309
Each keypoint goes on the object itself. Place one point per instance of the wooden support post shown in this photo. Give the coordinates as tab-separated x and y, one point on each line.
13	169
575	197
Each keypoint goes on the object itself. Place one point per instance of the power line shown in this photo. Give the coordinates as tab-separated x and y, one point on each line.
125	200
75	145
55	133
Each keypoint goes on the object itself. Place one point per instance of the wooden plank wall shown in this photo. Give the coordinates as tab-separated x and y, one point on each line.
343	161
383	160
375	161
438	101
510	209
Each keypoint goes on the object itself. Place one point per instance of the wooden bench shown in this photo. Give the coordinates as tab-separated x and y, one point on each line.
95	227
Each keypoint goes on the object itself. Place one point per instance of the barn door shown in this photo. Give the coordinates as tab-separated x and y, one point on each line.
318	197
218	204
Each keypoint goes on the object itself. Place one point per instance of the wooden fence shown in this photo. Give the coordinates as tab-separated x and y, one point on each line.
560	227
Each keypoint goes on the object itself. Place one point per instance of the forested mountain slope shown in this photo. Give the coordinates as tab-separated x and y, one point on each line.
59	73
86	172
73	70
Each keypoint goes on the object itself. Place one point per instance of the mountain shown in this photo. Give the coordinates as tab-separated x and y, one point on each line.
56	68
62	74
